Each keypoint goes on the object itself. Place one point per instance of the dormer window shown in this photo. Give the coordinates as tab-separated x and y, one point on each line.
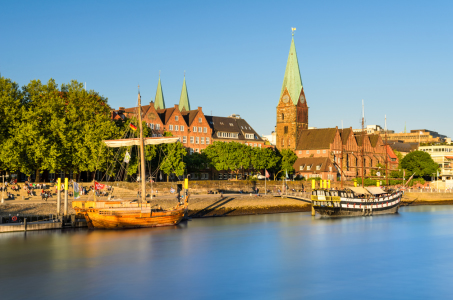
231	124
318	167
309	167
249	136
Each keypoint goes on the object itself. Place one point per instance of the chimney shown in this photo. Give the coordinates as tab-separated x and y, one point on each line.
199	108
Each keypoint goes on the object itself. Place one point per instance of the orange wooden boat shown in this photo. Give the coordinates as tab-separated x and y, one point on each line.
122	215
126	214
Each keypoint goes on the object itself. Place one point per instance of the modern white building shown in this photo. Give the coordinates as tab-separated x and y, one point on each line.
442	155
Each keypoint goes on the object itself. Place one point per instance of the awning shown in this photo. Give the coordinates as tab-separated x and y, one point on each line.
375	190
135	141
359	190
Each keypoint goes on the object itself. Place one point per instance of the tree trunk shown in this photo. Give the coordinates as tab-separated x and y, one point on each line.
168	177
37	176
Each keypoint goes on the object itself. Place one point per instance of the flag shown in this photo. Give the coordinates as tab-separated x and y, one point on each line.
287	174
98	186
160	177
76	190
127	157
266	173
132	126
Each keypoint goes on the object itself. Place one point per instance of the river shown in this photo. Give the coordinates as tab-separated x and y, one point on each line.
281	256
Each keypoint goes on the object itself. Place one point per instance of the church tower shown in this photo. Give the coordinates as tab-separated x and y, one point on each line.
184	99
292	109
159	102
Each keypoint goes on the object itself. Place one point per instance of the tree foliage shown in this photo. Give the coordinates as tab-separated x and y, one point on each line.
420	163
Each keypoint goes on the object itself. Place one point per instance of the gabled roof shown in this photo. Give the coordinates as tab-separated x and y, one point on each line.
159	102
390	152
373	139
344	134
165	114
189	116
316	138
292	80
184	99
325	162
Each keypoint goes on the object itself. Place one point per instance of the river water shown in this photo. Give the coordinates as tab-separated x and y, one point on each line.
282	256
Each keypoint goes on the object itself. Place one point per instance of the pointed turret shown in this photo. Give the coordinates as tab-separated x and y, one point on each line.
292	80
159	102
184	99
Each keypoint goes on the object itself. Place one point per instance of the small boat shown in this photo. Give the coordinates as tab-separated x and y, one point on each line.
126	214
355	201
133	214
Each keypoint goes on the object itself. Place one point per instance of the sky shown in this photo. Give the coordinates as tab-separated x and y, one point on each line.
395	55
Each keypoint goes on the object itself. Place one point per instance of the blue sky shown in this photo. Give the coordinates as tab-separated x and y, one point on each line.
396	55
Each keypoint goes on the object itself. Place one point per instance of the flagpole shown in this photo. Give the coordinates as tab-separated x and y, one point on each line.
265	182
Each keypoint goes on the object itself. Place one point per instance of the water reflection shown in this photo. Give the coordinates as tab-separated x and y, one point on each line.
281	256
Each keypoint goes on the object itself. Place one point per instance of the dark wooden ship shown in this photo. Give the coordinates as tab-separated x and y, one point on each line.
355	202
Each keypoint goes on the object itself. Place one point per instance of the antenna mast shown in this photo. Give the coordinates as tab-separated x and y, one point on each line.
363	144
341	159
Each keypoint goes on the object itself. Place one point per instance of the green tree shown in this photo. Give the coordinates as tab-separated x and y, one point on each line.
196	161
288	158
264	158
420	163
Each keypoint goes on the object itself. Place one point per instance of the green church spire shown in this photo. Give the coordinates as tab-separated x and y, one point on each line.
292	80
184	99
159	100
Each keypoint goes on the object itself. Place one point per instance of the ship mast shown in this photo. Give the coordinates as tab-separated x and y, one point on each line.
142	150
363	144
386	154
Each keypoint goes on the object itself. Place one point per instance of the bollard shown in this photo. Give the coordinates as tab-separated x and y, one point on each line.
65	196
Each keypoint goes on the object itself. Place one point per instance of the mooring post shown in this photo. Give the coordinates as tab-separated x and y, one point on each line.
66	196
58	196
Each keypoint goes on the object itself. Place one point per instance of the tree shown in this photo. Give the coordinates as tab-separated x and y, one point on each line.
229	156
288	158
265	158
420	163
196	161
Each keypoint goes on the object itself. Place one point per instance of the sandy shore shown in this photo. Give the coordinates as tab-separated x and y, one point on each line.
199	206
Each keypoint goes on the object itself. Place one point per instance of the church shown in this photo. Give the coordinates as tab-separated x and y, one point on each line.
326	153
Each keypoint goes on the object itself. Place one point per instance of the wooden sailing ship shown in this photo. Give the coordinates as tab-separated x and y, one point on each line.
133	214
356	201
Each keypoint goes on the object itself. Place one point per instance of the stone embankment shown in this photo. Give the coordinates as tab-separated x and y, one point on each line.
427	198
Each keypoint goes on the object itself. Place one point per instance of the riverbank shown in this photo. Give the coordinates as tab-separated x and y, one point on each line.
200	206
426	198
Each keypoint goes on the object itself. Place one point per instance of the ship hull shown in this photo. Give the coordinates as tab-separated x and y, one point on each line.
117	219
353	207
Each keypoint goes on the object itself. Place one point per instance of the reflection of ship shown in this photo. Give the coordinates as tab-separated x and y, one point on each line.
127	214
355	201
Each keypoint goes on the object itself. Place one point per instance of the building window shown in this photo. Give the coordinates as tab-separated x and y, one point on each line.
318	167
199	129
207	141
190	150
194	129
323	151
259	145
184	139
176	118
205	130
197	150
154	135
191	139
283	117
170	127
220	176
318	151
285	130
202	140
254	145
301	168
309	167
151	125
182	127
158	126
231	124
300	152
249	136
225	175
160	134
199	120
308	152
176	127
197	140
